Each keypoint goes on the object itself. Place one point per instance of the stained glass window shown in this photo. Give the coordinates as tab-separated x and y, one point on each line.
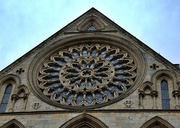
5	98
87	75
165	95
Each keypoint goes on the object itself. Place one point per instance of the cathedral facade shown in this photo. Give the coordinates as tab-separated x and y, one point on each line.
90	74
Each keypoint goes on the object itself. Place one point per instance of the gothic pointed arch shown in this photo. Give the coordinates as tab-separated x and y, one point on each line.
157	122
147	93
8	85
165	83
84	121
20	96
22	89
7	80
146	85
164	73
91	23
13	124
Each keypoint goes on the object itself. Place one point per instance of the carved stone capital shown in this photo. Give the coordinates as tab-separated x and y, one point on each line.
141	94
154	93
176	93
14	97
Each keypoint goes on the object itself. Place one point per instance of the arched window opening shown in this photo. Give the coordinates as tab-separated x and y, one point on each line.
157	122
165	95
84	121
5	98
13	126
91	28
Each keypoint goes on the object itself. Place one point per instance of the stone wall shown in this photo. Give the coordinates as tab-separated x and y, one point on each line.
113	119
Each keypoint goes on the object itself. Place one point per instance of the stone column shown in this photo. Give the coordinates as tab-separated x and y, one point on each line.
141	96
176	95
14	98
154	95
25	98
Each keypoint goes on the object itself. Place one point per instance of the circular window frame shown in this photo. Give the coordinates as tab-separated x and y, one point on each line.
118	42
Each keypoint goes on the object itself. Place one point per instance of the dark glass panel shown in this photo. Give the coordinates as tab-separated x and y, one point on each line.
3	107
91	28
8	89
165	95
164	85
5	98
165	104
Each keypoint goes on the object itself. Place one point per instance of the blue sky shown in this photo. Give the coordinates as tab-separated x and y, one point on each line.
26	23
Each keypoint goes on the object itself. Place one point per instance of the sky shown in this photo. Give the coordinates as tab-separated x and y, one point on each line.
26	23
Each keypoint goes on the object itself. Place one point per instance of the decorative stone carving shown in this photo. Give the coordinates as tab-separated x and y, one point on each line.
128	103
120	72
154	95
20	71
36	105
154	66
91	21
21	95
86	75
176	95
157	122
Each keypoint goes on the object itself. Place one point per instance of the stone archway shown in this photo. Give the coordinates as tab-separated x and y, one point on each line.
84	121
13	124
157	122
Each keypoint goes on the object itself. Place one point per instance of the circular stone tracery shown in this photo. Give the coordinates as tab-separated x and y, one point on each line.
87	75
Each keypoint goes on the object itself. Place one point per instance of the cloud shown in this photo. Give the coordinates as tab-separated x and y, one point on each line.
25	24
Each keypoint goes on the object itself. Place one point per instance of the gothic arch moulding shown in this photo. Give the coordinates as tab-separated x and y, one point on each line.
84	121
9	80
166	74
91	21
157	122
146	85
22	89
13	124
20	95
147	94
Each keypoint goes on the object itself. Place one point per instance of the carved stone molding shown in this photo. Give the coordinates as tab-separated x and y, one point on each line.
154	66
157	122
87	75
128	104
36	106
20	71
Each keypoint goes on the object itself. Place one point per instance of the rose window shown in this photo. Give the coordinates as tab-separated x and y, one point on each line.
86	75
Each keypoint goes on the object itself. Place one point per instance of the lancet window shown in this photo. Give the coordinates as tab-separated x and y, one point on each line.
5	98
165	95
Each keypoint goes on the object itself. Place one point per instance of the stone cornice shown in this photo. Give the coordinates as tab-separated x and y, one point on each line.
93	111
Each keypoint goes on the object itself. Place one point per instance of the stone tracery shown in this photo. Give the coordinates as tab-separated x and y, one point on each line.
86	75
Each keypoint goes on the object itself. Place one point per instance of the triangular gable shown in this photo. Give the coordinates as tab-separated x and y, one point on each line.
101	23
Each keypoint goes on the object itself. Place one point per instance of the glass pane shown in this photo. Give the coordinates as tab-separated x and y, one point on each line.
8	89
164	85
5	98
91	28
165	104
165	95
3	107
